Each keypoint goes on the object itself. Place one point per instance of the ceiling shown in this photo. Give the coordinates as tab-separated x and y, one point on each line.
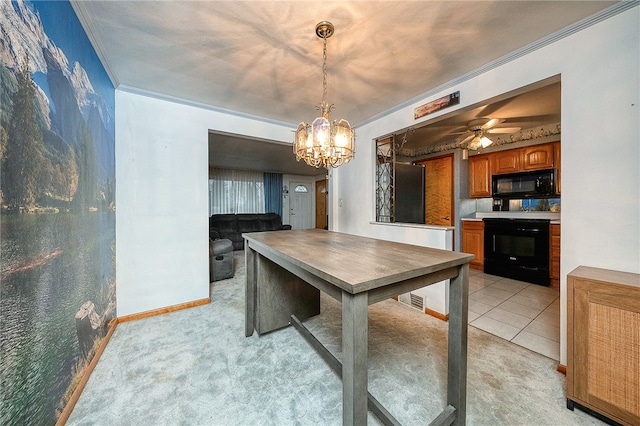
263	58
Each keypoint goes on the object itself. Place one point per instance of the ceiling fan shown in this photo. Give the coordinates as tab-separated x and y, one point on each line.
481	126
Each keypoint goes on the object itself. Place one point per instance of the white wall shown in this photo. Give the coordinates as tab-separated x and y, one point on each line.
162	228
599	68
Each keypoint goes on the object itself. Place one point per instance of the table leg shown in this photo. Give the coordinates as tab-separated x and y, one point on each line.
355	332
250	290
457	371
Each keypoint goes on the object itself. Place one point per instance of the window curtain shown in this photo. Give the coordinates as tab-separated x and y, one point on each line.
273	193
236	191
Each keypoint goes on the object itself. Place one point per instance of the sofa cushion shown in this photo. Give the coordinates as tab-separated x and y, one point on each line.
269	222
248	223
224	223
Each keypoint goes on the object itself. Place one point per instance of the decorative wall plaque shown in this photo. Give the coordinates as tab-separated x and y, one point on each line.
437	105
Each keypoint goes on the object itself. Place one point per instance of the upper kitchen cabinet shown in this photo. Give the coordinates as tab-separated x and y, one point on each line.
480	176
505	161
537	157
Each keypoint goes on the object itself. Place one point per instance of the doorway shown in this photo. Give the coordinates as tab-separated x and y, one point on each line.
321	204
300	203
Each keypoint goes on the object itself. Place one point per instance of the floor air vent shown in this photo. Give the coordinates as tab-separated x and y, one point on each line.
414	300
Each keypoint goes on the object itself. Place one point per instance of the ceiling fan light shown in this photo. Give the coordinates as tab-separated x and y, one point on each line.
485	141
474	144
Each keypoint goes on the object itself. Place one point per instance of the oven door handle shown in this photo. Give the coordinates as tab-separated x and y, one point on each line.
530	268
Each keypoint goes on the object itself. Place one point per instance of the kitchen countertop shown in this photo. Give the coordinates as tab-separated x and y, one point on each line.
477	216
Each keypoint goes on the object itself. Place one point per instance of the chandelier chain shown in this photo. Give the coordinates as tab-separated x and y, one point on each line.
324	70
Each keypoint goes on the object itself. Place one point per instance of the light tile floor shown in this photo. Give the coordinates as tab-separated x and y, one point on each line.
523	313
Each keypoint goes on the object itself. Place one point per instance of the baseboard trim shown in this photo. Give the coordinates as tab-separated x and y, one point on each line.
443	317
64	416
562	369
161	311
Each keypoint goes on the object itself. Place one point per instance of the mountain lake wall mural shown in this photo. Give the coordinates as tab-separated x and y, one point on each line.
57	208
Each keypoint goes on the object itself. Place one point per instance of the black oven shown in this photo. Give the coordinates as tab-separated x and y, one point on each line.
517	248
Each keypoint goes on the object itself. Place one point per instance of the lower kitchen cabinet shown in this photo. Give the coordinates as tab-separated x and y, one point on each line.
473	242
603	343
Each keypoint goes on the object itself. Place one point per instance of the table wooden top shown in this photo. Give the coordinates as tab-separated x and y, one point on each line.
353	263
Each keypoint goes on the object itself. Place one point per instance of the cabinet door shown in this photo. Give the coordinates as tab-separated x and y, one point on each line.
537	157
505	161
473	242
479	176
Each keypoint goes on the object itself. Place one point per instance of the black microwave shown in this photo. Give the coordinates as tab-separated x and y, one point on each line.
535	184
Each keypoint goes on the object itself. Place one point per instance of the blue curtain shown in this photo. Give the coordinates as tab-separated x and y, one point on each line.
273	193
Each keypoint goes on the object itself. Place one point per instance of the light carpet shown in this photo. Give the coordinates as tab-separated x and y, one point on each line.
195	367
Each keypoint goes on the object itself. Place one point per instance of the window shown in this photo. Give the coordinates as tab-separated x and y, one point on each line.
236	191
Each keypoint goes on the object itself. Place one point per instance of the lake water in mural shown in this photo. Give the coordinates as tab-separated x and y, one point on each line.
50	266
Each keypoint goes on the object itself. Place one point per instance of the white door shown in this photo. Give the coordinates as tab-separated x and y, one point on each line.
300	205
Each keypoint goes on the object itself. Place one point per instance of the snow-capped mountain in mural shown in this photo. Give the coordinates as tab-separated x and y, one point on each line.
70	106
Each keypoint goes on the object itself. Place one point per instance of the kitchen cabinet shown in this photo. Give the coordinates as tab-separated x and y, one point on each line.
554	254
480	176
603	343
537	157
473	242
505	161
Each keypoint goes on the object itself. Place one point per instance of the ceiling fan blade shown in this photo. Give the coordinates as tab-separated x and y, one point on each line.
504	130
468	138
492	123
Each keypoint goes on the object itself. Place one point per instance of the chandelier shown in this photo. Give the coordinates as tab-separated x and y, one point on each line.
324	143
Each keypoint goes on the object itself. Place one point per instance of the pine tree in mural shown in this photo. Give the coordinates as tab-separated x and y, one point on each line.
23	159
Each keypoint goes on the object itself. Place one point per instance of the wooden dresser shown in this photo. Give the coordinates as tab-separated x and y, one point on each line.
603	343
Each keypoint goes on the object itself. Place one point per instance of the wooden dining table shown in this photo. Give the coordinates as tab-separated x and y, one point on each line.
287	270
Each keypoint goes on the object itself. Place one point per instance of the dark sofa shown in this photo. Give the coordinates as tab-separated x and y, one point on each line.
232	226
